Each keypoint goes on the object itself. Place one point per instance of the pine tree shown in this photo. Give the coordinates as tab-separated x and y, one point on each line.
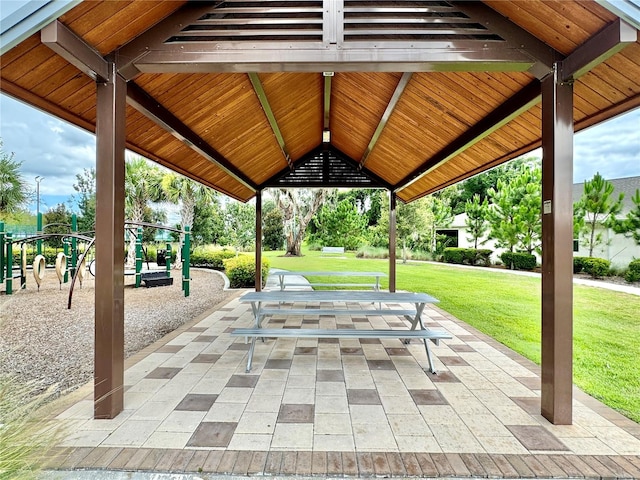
598	209
476	223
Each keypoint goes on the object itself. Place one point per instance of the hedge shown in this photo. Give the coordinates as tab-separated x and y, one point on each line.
241	271
210	258
596	267
633	273
467	256
578	264
518	260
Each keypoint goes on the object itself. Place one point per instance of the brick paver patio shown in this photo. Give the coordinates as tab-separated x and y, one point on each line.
341	408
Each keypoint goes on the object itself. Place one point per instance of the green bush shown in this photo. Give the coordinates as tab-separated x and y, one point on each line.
578	264
518	260
633	272
210	258
596	267
454	255
241	271
467	256
372	252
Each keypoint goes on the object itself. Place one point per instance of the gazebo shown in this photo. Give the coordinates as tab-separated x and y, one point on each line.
410	96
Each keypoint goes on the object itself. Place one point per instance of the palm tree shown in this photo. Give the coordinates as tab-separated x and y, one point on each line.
142	185
188	193
14	191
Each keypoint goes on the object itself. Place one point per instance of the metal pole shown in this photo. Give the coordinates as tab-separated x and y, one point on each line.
9	284
138	257
39	229
556	397
168	260
185	261
38	215
2	252
74	245
67	257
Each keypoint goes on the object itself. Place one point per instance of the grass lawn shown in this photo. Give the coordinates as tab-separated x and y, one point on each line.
507	307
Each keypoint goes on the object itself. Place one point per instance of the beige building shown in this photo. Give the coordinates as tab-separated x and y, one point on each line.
616	248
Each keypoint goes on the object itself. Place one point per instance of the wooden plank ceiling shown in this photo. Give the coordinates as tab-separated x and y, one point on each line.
398	127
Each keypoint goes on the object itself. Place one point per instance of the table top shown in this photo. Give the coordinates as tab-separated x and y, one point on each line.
333	274
337	296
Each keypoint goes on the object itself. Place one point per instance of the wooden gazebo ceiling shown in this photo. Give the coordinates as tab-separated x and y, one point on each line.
233	94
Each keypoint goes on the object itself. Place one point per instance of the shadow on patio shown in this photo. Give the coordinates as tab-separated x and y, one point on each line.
340	407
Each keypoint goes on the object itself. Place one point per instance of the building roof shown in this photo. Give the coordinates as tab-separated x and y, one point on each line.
628	186
415	96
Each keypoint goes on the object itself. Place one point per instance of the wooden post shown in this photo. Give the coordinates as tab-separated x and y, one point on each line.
259	241
557	248
392	241
109	296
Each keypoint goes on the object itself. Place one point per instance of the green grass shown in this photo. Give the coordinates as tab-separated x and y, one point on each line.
507	307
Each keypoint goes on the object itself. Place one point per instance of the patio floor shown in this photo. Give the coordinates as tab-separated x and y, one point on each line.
340	408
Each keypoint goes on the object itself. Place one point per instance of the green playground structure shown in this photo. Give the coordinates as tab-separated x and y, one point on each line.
72	260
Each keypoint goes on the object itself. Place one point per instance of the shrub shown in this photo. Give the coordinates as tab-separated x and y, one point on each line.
578	264
210	258
633	272
596	267
372	252
241	271
454	255
468	256
518	260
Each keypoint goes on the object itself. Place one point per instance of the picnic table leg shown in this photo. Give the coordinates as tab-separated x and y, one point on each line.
281	281
250	357
418	320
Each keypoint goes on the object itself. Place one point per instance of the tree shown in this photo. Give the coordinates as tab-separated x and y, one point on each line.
273	229
188	193
476	223
86	188
298	207
14	190
340	226
414	223
598	208
142	183
515	210
208	222
630	226
240	220
442	218
57	220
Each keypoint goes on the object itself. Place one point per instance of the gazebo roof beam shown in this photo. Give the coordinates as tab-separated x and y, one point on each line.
156	36
268	111
75	51
152	109
507	111
397	93
516	36
606	43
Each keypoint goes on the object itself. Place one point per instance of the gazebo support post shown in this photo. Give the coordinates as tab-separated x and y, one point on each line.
259	241
392	241
109	292
557	247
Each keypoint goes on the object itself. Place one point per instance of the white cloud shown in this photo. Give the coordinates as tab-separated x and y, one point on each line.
611	148
46	146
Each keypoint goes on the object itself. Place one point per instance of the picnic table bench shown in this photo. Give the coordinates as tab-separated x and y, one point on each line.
282	274
332	251
265	304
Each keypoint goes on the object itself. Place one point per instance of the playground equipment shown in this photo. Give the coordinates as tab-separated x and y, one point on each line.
73	259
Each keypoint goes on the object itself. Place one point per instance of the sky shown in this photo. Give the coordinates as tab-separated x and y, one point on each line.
58	151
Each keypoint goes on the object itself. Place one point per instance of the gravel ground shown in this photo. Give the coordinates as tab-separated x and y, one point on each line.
44	342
